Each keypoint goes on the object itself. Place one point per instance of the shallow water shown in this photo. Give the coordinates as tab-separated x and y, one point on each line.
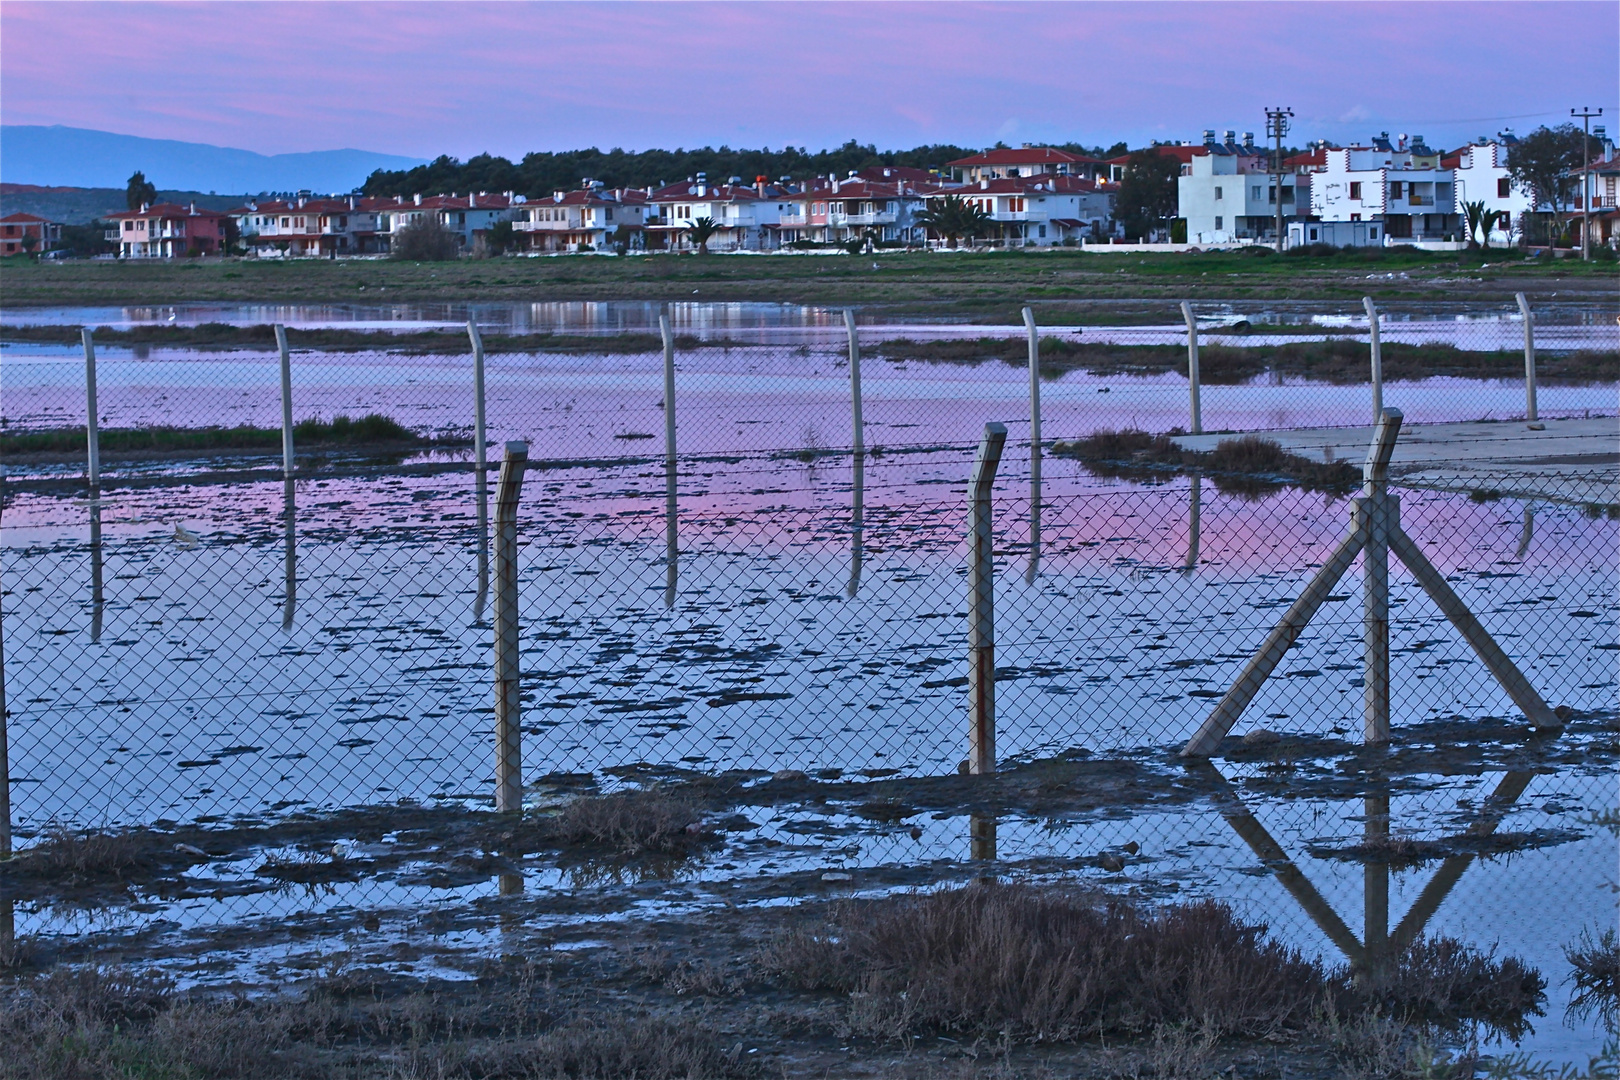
1308	896
728	401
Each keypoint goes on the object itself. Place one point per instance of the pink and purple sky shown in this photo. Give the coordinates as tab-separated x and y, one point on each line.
427	78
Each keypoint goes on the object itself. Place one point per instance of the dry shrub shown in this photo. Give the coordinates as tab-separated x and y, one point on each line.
1247	466
65	857
1441	981
629	823
619	1050
1051	964
1597	968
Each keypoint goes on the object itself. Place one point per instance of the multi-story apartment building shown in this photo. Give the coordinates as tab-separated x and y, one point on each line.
1227	193
166	230
1480	174
305	227
1402	185
593	218
832	211
468	216
28	234
1041	209
746	218
1006	162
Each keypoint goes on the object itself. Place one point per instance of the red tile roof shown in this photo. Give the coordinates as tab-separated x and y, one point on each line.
21	218
1028	155
168	210
1184	154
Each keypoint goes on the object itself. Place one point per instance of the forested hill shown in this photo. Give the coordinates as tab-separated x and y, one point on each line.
540	174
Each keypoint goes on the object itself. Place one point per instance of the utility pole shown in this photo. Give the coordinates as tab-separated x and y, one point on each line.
1586	114
1276	127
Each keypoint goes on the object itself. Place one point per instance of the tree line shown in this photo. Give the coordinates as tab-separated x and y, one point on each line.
540	174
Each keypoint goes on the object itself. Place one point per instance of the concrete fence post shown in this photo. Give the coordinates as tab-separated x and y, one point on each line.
982	605
1530	412
858	450
508	689
1376	357
672	549
92	429
286	401
1192	368
481	465
1034	568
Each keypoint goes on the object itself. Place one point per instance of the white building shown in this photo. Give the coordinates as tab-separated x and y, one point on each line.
832	211
1481	175
593	218
467	216
1226	194
1402	185
1040	210
747	218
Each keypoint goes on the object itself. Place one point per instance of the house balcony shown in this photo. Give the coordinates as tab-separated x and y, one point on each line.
1010	215
862	219
552	226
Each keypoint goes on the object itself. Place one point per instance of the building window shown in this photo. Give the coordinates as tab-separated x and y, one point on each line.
1313	233
1504	187
1218	220
1043	230
1254	193
1396	189
1217	192
1355	189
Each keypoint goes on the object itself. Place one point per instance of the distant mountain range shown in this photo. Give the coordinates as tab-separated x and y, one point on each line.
79	157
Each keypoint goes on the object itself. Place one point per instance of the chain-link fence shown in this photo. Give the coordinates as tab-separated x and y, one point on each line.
201	638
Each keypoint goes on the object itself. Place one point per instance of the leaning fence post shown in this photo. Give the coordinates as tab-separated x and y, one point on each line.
1530	413
982	606
286	401
481	463
92	432
508	699
1192	368
1376	356
1034	447
672	548
858	475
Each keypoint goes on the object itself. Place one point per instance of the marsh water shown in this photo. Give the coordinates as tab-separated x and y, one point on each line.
244	649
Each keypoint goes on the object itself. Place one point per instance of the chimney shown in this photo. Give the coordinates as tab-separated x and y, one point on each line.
418	198
984	185
759	186
472	201
193	207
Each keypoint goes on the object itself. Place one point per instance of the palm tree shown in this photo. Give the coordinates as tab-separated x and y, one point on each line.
1490	220
701	231
1474	217
953	217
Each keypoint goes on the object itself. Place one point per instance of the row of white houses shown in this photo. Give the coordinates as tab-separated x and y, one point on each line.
1034	196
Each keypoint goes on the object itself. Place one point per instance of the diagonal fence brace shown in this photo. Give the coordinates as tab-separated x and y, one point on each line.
1374	524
